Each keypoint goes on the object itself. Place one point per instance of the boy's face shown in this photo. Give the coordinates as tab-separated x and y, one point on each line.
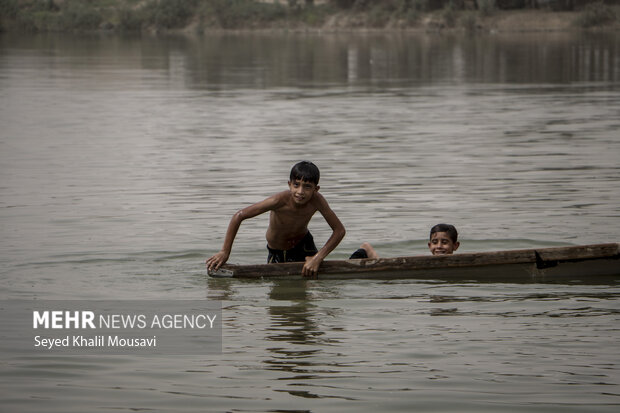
302	191
441	244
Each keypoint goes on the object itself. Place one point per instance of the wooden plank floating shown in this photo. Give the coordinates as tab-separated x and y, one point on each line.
539	264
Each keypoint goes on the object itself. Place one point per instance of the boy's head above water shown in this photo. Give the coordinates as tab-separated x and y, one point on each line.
305	171
443	239
303	183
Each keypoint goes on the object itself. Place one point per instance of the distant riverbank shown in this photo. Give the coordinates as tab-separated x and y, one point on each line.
194	16
496	21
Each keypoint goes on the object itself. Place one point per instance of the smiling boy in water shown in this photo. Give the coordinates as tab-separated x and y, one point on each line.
288	238
443	241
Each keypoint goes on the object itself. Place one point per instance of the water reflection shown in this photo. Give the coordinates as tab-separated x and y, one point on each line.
292	322
401	59
224	61
293	328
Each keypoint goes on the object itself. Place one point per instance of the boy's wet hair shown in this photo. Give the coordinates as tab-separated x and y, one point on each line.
305	171
447	228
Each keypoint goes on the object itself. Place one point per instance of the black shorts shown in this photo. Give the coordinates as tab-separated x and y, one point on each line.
360	253
305	248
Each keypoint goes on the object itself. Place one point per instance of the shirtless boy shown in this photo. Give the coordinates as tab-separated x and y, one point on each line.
288	238
443	241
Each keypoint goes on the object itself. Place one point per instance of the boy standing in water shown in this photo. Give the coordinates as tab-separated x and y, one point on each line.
288	238
443	241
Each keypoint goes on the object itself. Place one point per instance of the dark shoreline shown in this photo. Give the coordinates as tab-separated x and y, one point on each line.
192	16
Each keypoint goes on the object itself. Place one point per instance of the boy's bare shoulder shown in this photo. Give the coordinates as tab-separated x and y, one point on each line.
282	196
319	200
271	203
279	200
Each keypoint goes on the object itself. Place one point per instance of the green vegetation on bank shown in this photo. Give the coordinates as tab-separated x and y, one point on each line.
202	15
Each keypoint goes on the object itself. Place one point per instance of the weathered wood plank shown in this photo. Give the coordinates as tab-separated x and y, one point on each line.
528	263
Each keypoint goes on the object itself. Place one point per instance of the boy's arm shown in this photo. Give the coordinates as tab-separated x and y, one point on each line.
312	264
219	259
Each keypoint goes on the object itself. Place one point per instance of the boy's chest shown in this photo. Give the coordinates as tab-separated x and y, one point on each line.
288	215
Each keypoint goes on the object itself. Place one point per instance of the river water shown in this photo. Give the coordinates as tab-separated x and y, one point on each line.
123	158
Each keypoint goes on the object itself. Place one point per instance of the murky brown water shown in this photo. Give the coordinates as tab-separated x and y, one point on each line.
122	160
